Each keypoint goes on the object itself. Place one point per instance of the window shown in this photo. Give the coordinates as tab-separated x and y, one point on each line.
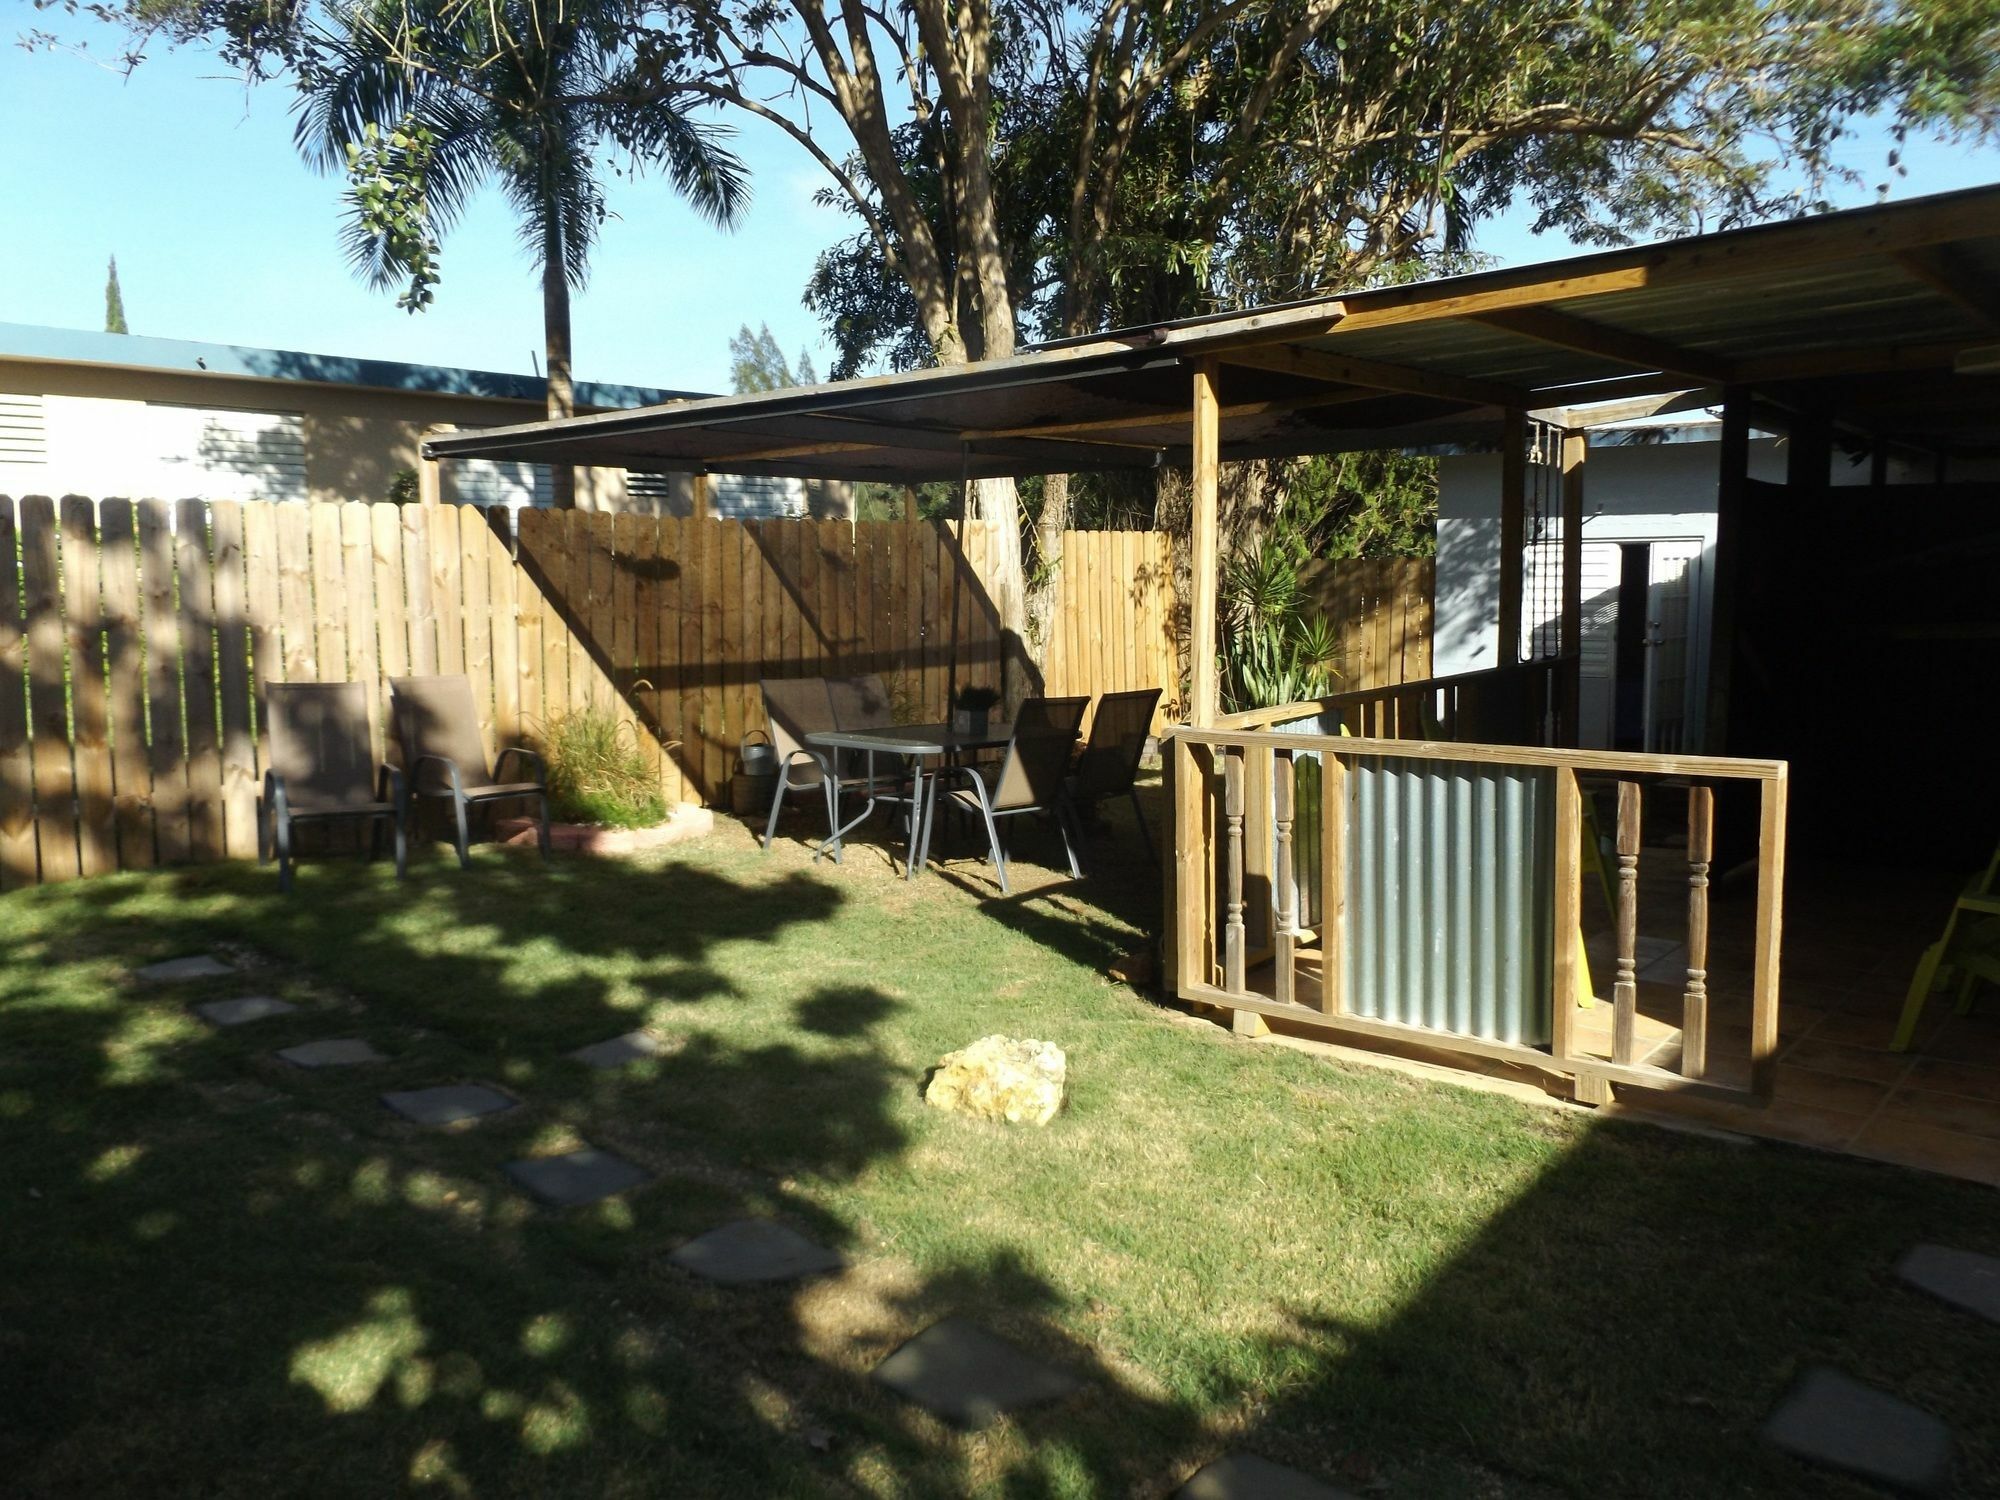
499	481
24	433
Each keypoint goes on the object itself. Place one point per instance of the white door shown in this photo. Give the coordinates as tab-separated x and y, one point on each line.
1598	668
1673	586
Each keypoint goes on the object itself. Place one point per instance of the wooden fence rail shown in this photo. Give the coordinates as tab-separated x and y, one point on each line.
135	638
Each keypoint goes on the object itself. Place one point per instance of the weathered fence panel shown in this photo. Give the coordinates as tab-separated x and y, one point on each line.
1112	623
1381	612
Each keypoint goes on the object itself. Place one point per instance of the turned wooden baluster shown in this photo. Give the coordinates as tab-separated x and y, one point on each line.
1694	1002
1232	927
1625	986
1284	877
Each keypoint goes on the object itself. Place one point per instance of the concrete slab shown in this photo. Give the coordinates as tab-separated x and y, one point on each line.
343	1052
244	1008
576	1177
1964	1277
1830	1419
447	1104
620	1050
1244	1476
753	1250
969	1377
176	970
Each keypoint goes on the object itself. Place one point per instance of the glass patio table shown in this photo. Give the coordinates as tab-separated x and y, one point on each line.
922	745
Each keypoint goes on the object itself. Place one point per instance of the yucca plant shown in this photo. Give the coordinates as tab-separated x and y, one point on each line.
596	773
1276	648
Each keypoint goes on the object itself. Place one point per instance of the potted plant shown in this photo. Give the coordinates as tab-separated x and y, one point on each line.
972	709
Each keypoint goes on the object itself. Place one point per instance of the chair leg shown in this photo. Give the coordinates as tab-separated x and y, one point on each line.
264	818
281	838
831	788
999	851
542	826
1145	833
400	838
777	802
464	835
1065	815
1920	991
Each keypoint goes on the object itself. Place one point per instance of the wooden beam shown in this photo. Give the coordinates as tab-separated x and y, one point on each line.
1206	444
1575	449
699	496
1731	495
1341	369
1943	269
1275	406
794	450
1547	326
1513	530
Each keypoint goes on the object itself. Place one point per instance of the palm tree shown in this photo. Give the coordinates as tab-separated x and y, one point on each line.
421	102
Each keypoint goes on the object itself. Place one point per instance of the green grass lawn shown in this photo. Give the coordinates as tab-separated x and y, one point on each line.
222	1276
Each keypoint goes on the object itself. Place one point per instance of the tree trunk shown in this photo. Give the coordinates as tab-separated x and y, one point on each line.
561	400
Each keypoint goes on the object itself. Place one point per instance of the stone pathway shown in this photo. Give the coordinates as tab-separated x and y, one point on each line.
954	1369
577	1177
756	1250
448	1104
1960	1277
1244	1476
243	1010
1833	1420
344	1052
971	1378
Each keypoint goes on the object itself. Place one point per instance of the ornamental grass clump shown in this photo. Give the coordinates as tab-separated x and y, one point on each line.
597	773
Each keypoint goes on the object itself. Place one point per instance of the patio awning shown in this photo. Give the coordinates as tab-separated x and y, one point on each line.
1885	320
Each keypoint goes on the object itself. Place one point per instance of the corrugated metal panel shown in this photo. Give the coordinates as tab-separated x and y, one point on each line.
1450	896
24	436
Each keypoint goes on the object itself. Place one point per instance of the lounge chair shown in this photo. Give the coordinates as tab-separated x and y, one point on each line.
1109	765
318	769
445	754
1030	780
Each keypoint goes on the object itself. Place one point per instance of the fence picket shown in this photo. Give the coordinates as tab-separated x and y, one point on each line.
89	729
163	681
198	680
392	619
17	789
125	646
233	692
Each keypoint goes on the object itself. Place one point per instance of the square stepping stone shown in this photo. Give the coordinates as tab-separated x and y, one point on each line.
175	970
345	1052
1244	1476
243	1009
576	1177
620	1050
752	1250
447	1104
1833	1420
969	1377
1964	1277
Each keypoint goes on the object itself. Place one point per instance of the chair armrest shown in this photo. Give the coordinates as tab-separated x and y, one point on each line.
945	774
537	764
455	786
275	802
391	787
823	762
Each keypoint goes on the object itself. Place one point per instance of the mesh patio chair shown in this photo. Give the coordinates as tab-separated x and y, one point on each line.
796	707
445	754
318	769
864	703
1032	778
1109	765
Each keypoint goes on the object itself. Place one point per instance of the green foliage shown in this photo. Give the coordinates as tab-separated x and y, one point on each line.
114	301
1276	646
756	363
596	773
403	489
1377	504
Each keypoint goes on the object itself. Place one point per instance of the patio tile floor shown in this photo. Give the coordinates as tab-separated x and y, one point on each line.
1837	1422
755	1250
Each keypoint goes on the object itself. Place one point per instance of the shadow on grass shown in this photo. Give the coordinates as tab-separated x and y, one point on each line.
222	1275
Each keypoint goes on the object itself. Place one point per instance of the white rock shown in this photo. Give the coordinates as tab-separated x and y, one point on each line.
1018	1080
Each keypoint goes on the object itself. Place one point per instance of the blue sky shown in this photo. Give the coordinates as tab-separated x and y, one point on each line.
222	234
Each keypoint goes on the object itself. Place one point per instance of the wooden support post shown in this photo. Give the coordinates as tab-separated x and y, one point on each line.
1568	911
1513	531
430	471
1575	449
1731	494
1770	936
1625	988
1694	1001
1285	893
1205	692
698	496
1332	880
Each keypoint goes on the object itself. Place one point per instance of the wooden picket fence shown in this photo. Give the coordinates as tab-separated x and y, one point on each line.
1381	610
1115	623
135	638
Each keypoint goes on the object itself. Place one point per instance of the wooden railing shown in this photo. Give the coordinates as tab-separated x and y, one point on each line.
1503	705
1451	892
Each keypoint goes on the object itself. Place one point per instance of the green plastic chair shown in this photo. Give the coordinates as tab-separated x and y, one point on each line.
1970	947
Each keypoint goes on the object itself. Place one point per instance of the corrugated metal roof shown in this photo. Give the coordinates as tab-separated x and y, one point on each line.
1814	313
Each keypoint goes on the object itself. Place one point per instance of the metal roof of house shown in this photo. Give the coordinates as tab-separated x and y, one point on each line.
1874	316
27	343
